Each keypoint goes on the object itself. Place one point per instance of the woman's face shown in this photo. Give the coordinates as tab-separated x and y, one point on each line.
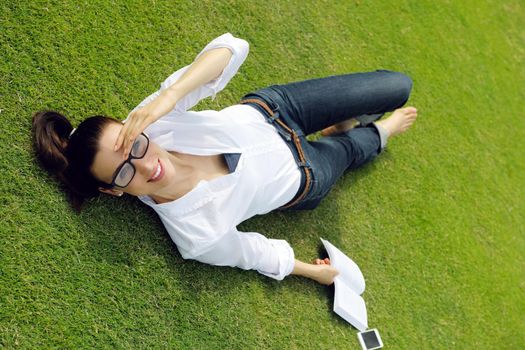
153	172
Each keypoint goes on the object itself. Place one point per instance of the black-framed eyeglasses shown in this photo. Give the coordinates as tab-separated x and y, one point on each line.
126	171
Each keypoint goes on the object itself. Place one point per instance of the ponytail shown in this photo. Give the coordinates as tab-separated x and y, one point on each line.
50	138
68	156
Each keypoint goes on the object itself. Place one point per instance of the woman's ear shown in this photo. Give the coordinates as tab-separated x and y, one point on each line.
111	191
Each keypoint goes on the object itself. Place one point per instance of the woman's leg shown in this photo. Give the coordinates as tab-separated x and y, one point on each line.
318	103
331	156
312	105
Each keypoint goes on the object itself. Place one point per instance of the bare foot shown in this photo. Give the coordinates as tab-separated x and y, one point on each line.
340	127
325	273
399	121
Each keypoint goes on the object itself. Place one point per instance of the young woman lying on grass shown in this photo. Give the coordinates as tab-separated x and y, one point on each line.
206	172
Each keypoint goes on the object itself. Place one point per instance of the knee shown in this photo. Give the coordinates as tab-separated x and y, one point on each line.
399	86
396	83
403	84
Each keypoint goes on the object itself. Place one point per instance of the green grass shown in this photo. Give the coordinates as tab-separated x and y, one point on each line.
436	223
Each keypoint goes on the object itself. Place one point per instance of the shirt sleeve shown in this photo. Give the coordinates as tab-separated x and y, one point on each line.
251	251
239	49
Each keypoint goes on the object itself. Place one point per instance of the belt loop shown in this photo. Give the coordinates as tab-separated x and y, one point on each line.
272	114
283	133
271	118
275	111
305	164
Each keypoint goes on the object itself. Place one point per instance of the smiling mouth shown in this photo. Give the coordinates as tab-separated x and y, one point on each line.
159	171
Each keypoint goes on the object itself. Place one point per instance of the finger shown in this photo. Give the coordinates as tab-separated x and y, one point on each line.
130	141
129	138
120	138
125	144
127	124
133	119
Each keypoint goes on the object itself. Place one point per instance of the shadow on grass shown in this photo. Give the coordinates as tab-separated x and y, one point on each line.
135	234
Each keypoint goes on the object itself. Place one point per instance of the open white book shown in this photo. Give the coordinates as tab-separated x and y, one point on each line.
349	285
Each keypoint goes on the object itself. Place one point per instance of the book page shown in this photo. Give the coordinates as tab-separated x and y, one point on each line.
350	306
348	269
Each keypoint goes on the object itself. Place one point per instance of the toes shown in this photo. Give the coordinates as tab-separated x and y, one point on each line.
409	110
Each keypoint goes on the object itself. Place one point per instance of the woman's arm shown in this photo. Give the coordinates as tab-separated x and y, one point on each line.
321	272
270	257
204	69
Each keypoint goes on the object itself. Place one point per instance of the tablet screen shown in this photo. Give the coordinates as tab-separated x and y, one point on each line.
370	339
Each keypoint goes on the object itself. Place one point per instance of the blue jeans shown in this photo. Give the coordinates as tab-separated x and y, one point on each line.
312	105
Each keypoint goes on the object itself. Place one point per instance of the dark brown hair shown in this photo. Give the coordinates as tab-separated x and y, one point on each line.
69	158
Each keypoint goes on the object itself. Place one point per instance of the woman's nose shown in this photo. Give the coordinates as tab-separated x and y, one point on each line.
143	167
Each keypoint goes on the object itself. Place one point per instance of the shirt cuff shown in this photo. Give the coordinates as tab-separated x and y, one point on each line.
239	49
286	259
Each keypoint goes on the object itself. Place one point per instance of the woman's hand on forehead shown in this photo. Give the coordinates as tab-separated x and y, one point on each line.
141	118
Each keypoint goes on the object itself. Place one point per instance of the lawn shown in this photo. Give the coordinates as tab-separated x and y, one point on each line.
436	223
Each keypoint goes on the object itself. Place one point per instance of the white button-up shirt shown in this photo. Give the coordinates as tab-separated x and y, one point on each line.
203	222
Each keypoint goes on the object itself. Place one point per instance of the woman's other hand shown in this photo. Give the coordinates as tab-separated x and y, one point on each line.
320	270
324	261
326	273
140	119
